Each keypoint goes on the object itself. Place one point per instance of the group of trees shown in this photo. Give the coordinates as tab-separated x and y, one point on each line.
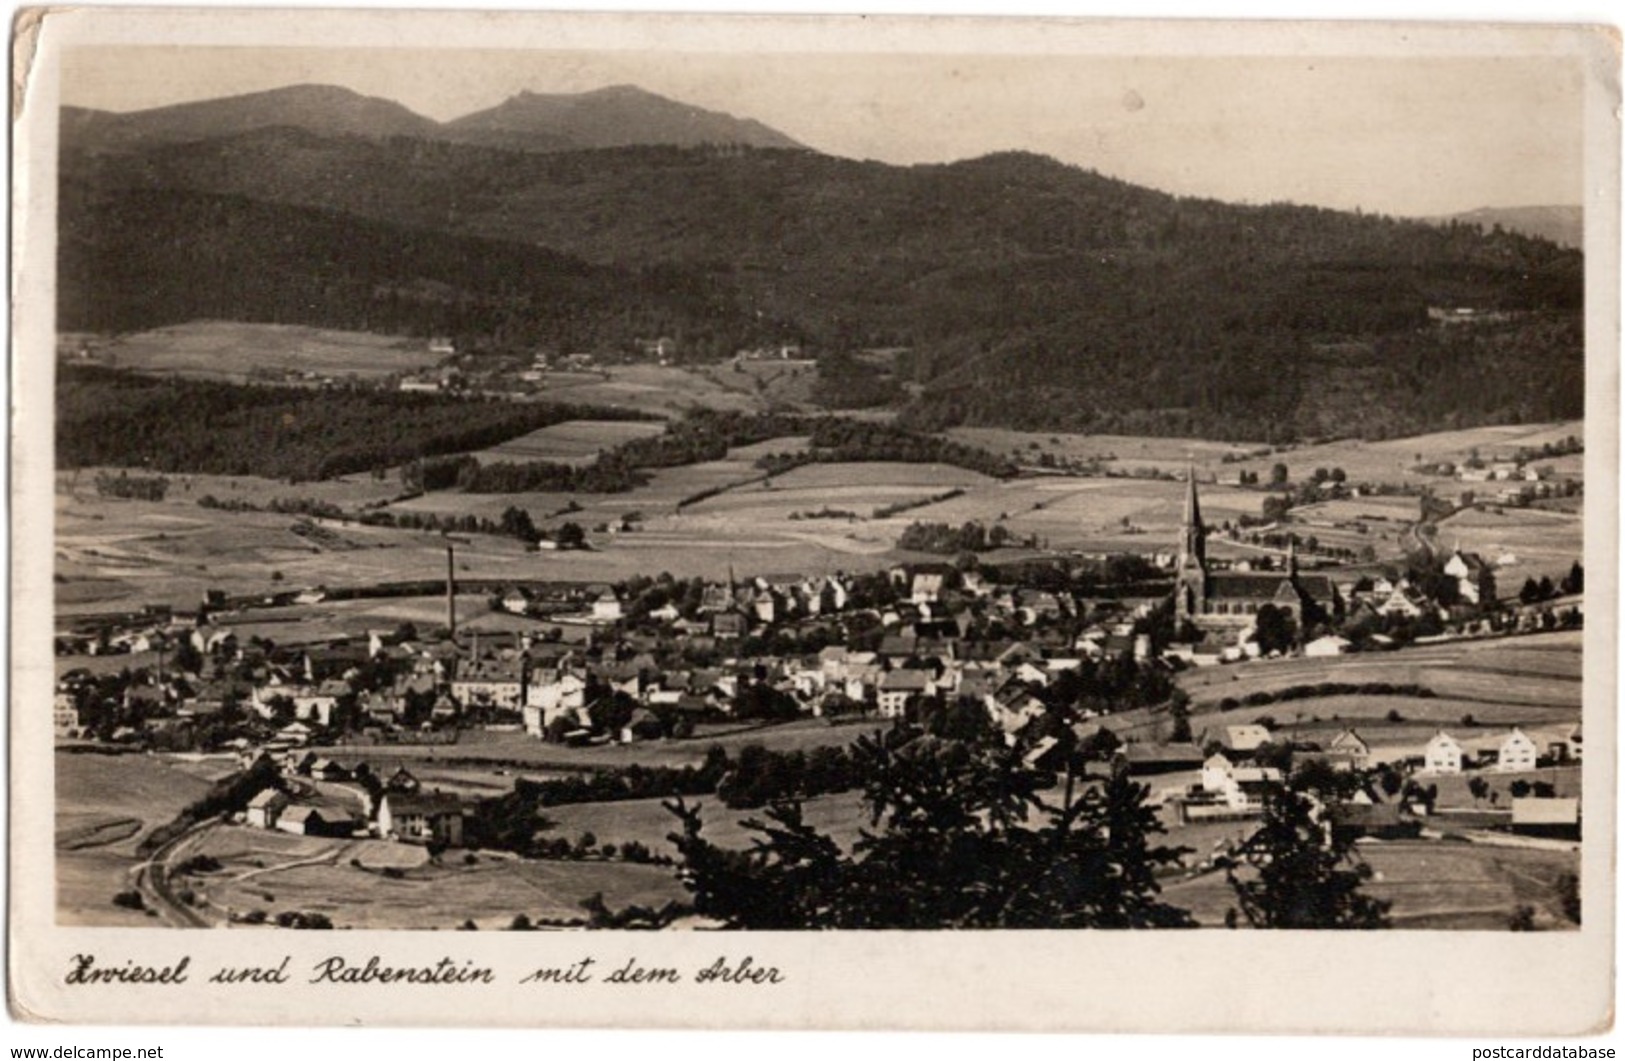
947	540
962	836
964	833
137	487
110	417
1534	591
836	441
609	474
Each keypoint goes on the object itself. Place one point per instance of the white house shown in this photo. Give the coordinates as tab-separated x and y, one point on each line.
896	688
65	715
1330	645
606	608
1518	753
422	817
319	701
1349	751
1442	755
1216	773
266	807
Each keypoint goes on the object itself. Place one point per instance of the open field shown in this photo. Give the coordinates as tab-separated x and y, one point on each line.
264	871
225	350
1533	681
572	442
859	488
1430	884
113	553
662	390
348	492
1521	542
1390	461
1539	657
1122	453
1090	513
1387	461
122	554
105	804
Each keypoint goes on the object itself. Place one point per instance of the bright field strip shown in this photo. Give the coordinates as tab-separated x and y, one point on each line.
228	350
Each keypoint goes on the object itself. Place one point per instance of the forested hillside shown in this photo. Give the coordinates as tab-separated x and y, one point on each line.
1026	293
172	425
131	259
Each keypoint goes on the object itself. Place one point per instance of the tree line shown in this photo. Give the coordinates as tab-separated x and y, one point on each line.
112	417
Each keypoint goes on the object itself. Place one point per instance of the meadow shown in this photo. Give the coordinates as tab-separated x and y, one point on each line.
1522	542
380	884
231	351
1388	461
662	390
1530	681
105	804
1431	886
572	442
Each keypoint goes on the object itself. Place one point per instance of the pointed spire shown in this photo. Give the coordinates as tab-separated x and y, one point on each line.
1194	546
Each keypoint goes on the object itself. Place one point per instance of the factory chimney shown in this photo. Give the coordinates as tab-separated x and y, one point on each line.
451	594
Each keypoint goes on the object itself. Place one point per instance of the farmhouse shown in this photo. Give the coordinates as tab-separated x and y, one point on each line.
431	817
1348	751
1517	754
1474	578
265	807
310	821
1442	755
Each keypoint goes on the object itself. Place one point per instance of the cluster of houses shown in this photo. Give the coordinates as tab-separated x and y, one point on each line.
393	808
1233	778
1517	752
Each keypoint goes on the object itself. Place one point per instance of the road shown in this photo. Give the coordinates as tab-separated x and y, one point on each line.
152	880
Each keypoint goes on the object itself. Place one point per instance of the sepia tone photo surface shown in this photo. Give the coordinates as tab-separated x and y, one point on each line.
774	482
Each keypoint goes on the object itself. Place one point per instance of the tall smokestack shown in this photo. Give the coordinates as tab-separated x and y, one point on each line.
451	593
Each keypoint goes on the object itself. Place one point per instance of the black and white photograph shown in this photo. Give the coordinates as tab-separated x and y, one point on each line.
807	482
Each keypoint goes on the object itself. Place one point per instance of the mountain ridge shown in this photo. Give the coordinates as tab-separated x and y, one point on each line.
616	115
1562	224
1094	304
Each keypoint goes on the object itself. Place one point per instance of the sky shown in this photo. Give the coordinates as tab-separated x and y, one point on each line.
1404	136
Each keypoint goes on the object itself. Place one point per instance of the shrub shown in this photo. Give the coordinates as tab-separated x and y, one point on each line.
129	900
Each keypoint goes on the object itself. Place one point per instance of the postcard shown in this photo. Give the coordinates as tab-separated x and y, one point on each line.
814	522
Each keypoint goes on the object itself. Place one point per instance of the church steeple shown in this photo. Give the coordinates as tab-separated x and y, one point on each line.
1190	580
1193	547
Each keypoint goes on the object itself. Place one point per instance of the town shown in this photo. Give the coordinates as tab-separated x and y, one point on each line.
396	753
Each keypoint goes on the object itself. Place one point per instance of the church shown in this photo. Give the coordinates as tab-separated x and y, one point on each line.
1226	603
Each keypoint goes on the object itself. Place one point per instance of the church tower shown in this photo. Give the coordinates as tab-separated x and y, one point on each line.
1190	578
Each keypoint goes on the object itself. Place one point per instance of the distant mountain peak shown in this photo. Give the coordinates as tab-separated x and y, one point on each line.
317	108
611	116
